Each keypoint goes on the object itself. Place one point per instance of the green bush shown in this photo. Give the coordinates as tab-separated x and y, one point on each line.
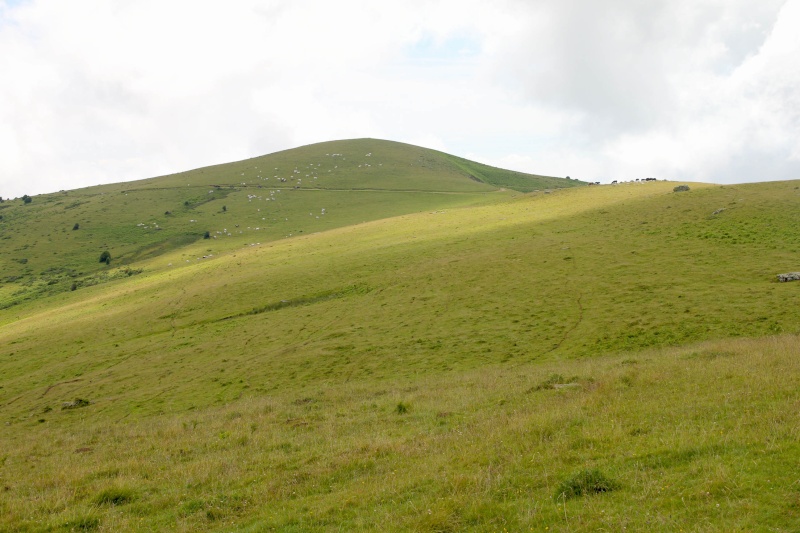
680	188
105	257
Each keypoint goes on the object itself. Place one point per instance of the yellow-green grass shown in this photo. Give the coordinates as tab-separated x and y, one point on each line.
361	164
394	374
701	438
54	243
538	277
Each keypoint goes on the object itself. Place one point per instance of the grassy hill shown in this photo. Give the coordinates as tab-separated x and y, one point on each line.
54	243
616	357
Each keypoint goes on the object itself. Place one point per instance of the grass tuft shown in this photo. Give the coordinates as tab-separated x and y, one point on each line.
115	496
585	482
83	523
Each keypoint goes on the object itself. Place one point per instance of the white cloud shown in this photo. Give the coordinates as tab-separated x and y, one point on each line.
97	91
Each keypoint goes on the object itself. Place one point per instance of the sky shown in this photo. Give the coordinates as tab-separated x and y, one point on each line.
103	91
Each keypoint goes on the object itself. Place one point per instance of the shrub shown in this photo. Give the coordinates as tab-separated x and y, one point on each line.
224	208
26	199
585	482
76	227
105	257
680	188
206	235
401	408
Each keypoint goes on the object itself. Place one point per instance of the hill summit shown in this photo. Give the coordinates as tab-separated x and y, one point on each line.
55	242
360	164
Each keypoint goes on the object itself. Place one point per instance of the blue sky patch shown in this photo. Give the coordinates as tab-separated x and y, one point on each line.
456	47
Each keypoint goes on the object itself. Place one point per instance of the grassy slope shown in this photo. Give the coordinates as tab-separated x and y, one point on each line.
285	415
517	181
326	185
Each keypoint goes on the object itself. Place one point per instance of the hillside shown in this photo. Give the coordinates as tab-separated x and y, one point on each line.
54	243
457	362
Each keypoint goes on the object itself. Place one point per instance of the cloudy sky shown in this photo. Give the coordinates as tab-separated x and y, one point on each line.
100	91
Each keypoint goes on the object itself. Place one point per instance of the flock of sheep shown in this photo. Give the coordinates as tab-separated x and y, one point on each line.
311	171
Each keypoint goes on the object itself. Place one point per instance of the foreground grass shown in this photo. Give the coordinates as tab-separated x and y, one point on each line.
480	367
701	438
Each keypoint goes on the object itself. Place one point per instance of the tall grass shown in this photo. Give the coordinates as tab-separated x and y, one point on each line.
705	434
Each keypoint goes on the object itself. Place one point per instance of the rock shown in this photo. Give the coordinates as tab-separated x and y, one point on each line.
78	402
790	276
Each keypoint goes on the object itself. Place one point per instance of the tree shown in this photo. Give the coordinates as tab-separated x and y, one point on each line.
105	257
27	199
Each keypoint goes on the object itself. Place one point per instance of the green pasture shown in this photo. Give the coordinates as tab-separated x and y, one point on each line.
427	357
54	243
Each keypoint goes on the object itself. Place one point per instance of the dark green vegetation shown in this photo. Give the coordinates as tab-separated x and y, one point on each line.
430	354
